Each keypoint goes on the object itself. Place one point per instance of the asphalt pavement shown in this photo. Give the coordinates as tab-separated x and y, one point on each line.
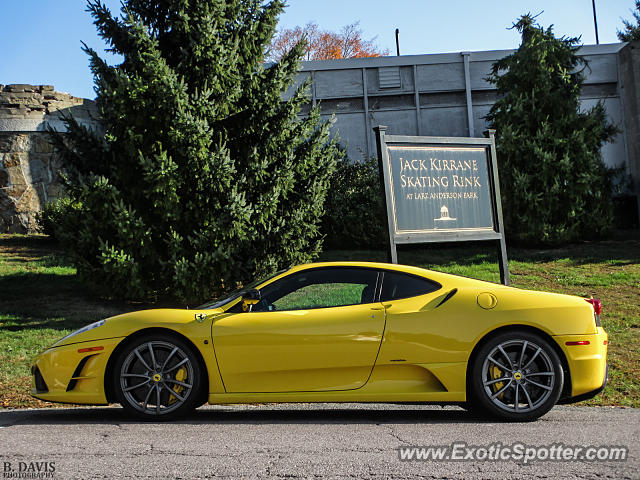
309	441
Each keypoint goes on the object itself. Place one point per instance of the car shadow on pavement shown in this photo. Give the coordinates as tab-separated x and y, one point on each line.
250	414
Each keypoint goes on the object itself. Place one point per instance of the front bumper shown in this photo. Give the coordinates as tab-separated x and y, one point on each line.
587	363
67	374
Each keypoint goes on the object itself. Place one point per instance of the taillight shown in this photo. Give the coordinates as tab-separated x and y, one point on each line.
597	309
597	305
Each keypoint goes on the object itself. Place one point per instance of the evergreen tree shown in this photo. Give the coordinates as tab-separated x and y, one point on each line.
631	32
355	213
203	177
555	187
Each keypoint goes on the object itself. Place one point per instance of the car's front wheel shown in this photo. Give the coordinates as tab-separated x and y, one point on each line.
516	376
158	376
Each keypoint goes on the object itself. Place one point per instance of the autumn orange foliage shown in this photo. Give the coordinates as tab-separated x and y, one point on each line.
325	45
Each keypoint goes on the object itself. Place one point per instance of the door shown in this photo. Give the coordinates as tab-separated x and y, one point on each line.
418	329
314	330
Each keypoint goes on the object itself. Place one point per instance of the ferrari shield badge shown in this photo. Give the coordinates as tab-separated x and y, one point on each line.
201	316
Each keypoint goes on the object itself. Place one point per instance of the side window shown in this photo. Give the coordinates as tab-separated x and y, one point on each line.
401	285
319	288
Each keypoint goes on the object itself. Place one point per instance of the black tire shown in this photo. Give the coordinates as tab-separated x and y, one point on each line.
516	376
158	377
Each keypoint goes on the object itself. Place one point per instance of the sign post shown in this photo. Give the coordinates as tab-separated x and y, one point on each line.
441	189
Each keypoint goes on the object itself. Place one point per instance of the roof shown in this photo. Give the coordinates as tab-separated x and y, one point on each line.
436	58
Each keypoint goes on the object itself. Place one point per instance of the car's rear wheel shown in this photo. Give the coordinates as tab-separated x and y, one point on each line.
158	377
516	376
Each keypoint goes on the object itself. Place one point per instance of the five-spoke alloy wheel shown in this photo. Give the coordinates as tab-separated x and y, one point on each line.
516	376
158	376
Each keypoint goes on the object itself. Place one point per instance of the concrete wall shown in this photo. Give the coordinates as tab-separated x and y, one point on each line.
29	167
445	94
629	61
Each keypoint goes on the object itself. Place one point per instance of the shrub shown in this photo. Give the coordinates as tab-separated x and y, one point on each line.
52	215
355	212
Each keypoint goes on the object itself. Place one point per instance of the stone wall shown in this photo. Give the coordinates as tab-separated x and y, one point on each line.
29	168
28	179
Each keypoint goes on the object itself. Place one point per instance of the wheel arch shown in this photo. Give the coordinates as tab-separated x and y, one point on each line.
109	386
566	389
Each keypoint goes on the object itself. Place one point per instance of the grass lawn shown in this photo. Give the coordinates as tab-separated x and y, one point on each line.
41	300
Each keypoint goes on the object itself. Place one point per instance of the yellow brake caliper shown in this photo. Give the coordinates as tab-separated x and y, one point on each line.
497	373
181	375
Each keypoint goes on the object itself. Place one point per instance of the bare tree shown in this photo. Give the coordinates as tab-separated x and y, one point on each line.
324	44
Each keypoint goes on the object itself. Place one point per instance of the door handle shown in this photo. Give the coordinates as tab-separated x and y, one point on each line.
377	308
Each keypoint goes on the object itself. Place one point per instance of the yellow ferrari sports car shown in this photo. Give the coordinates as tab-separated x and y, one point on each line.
340	332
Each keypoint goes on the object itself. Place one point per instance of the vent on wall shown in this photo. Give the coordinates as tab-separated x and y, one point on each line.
389	77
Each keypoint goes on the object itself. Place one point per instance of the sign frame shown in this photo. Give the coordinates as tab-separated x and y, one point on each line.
495	234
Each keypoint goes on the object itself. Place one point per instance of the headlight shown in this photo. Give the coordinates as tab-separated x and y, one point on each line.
82	330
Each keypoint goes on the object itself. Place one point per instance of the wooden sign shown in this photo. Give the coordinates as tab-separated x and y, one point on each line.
441	189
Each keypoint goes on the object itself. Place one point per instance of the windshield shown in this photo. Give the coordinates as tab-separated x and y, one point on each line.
229	297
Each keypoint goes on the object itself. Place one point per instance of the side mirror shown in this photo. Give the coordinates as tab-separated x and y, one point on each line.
250	298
